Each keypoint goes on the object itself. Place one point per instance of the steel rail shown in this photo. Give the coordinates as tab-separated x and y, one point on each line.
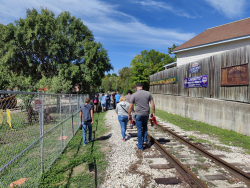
189	177
231	168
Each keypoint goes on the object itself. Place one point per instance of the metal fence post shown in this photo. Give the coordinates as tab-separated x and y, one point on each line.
71	114
61	121
45	141
78	107
41	132
40	127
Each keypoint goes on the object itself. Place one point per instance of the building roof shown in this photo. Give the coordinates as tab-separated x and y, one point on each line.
233	30
170	64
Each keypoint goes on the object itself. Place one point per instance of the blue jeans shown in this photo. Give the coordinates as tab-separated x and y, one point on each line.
123	122
84	131
108	105
142	130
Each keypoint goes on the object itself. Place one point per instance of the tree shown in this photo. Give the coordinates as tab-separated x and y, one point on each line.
44	45
171	49
147	63
114	75
124	80
109	83
56	84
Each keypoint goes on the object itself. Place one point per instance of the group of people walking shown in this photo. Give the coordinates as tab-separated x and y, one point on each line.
124	107
105	101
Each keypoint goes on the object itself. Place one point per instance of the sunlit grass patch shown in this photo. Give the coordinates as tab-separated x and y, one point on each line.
78	165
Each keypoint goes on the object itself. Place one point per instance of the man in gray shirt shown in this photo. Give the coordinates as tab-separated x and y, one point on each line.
128	96
141	99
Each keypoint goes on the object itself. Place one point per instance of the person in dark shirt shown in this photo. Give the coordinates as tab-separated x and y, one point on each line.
108	102
87	119
96	103
113	95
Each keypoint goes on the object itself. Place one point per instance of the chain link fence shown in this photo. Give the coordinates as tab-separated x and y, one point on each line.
34	130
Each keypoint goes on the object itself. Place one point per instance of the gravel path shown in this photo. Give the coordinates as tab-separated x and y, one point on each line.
130	167
127	165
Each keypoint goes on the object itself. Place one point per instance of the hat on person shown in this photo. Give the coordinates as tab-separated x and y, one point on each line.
138	84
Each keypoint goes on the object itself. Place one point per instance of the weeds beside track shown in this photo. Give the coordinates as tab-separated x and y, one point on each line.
78	165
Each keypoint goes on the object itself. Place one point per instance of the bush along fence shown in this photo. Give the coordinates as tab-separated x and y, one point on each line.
223	76
34	130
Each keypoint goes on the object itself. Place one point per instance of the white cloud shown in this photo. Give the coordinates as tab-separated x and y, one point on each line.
161	5
231	8
107	23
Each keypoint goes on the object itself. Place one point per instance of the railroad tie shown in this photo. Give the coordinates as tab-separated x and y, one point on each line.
168	181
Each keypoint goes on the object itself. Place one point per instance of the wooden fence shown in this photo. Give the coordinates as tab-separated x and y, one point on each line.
210	66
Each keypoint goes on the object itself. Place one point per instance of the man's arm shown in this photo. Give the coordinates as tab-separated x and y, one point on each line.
81	116
116	109
153	106
92	116
130	110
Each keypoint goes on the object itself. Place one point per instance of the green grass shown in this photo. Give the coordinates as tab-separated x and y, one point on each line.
72	167
227	137
202	160
150	161
183	160
29	164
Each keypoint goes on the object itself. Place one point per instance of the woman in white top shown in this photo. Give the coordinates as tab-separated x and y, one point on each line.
122	111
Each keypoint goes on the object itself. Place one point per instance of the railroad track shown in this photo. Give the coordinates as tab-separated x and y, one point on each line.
215	171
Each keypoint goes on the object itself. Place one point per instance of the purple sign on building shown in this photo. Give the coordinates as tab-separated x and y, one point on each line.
199	81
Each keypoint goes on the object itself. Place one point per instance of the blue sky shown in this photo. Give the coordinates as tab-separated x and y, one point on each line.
126	27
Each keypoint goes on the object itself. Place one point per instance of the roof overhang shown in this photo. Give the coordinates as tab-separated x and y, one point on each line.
212	43
170	64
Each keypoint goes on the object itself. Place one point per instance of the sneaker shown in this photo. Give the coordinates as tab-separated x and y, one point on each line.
123	140
84	144
91	140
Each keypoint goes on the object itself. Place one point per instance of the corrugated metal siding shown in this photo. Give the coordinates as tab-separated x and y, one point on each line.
210	66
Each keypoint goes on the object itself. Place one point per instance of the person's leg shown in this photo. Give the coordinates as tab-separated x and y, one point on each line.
145	128
90	130
102	107
139	132
122	124
125	122
84	131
